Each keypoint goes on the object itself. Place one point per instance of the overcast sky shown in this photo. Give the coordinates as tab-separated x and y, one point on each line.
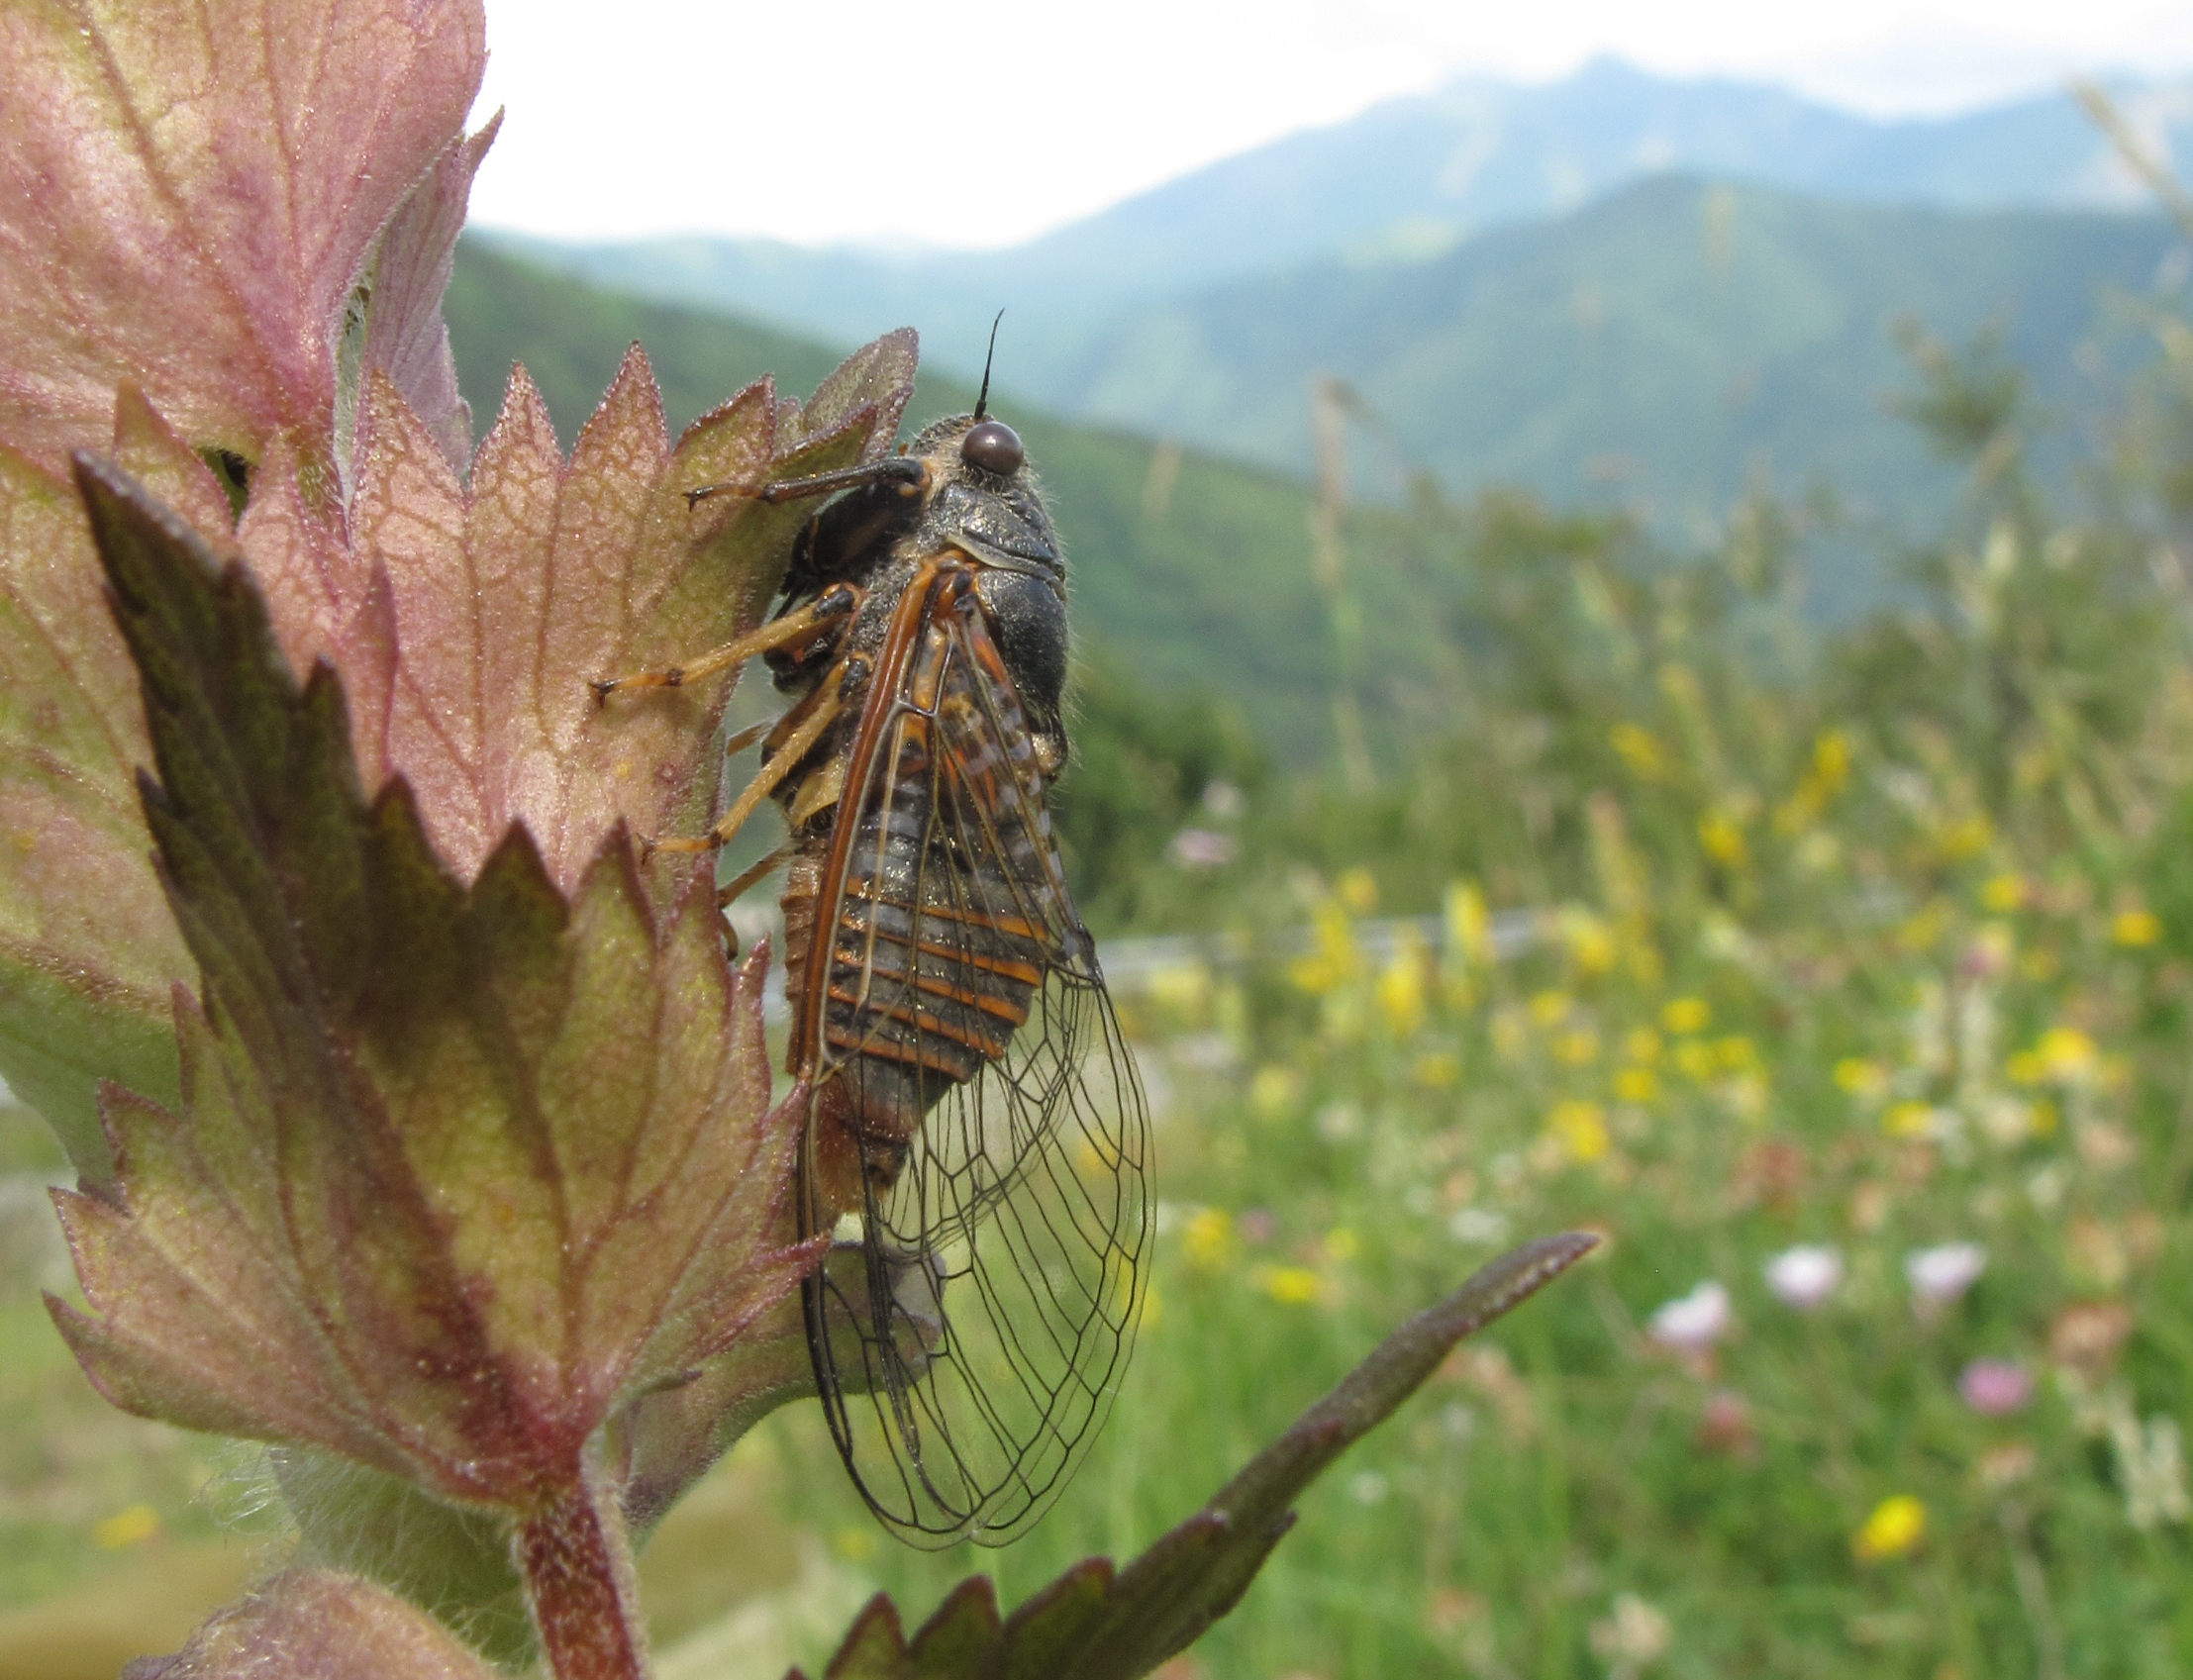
983	122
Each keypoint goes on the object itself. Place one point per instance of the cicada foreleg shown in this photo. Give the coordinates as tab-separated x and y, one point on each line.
822	708
908	474
831	609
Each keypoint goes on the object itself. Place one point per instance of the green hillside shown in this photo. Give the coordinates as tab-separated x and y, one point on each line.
1203	587
1663	347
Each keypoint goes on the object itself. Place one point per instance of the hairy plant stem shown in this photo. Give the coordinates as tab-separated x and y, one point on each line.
577	1571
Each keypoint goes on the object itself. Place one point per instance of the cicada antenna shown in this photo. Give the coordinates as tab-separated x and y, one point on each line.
982	401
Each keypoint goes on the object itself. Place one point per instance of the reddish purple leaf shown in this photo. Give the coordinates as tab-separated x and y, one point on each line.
188	200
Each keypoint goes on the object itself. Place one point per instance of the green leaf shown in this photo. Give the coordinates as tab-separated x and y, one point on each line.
1097	1623
457	1169
88	951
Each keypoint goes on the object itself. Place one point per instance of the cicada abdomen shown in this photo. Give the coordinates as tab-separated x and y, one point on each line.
943	893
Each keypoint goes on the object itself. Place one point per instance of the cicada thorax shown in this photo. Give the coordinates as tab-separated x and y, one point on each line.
935	920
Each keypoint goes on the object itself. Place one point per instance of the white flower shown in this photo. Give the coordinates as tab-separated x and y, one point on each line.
1693	1323
1633	1637
1477	1225
1805	1276
1939	1276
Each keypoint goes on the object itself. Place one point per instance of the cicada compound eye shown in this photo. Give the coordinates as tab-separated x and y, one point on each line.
994	447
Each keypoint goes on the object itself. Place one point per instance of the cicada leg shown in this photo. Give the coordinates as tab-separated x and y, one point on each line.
822	708
738	742
833	606
742	884
908	474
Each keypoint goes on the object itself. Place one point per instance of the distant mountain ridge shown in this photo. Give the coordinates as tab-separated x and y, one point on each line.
1670	345
1404	181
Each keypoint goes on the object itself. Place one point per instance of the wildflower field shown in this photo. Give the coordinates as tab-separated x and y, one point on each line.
1838	976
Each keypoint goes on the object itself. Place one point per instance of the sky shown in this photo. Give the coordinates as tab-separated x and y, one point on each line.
983	123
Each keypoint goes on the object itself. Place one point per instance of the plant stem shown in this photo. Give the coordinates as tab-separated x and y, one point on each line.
579	1581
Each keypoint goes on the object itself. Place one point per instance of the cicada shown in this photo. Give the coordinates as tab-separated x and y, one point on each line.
974	1119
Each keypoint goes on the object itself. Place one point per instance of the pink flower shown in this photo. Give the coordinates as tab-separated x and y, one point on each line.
1201	849
1804	1278
1693	1323
1725	1425
1994	1387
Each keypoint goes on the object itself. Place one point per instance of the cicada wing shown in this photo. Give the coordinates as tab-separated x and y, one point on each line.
1007	1259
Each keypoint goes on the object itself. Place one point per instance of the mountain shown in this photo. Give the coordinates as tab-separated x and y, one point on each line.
1405	180
1670	344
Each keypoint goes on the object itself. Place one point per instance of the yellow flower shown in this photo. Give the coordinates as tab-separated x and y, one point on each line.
1686	1014
130	1526
1208	1239
2066	1052
1642	1046
1291	1286
2043	1119
1590	941
1580	1130
2026	1068
1579	1048
1469	928
1861	1078
1723	837
1695	1059
856	1543
1332	961
1641	750
1907	1119
1437	1070
2004	894
1400	990
1968	836
2135	928
1549	1009
1341	1244
1922	930
1895	1528
1274	1090
1830	759
1357	890
1637	1085
1737	1054
1183	987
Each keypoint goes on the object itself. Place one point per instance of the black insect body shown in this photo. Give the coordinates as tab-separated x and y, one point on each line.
973	1113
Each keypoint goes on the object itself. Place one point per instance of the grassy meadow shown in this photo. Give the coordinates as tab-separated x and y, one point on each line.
1844	987
1853	1012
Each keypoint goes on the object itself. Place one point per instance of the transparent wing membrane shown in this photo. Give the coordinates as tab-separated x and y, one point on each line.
1002	1133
